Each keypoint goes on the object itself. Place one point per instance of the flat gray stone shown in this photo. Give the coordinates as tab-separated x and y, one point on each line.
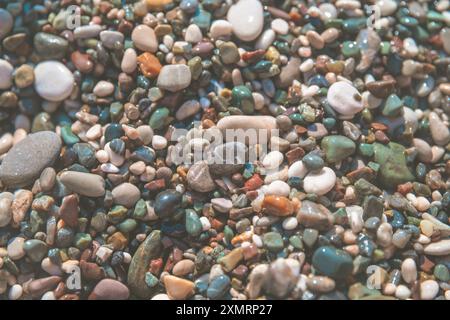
25	161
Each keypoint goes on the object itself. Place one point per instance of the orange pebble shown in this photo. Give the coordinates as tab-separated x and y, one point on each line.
278	206
149	65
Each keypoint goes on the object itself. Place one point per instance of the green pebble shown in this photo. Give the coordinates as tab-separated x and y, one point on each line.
392	161
337	148
441	272
273	241
332	262
68	136
296	242
140	210
242	97
127	225
350	49
82	240
366	149
158	118
151	280
35	249
393	106
193	223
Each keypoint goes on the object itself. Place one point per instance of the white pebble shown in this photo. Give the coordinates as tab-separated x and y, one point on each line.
320	182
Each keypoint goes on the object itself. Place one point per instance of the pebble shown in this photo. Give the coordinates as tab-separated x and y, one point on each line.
109	289
187	109
439	131
174	77
440	248
267	123
320	182
332	262
126	194
144	38
313	215
345	99
6	72
247	18
15	248
429	289
193	34
129	61
25	161
280	26
88	31
53	81
178	288
6	23
109	38
199	177
183	268
86	184
103	89
220	28
5	211
409	270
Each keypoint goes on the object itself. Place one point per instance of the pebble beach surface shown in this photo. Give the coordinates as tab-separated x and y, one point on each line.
351	200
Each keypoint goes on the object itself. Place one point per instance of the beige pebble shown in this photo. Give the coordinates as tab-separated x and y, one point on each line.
409	270
144	38
429	289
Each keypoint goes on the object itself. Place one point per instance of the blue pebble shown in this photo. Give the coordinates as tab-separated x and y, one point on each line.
189	6
218	287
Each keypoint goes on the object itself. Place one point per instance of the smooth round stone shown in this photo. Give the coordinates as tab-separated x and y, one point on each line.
126	194
35	249
6	71
345	99
86	184
50	46
290	223
109	38
327	11
193	34
445	36
272	160
15	248
16	290
178	288
425	153
187	109
280	26
53	81
247	19
144	38
88	31
24	76
103	88
402	292
440	248
441	272
313	162
6	23
409	270
174	77
429	289
439	131
220	28
265	40
167	202
387	7
159	142
332	262
129	61
109	289
297	169
320	182
5	211
25	160
183	267
277	188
